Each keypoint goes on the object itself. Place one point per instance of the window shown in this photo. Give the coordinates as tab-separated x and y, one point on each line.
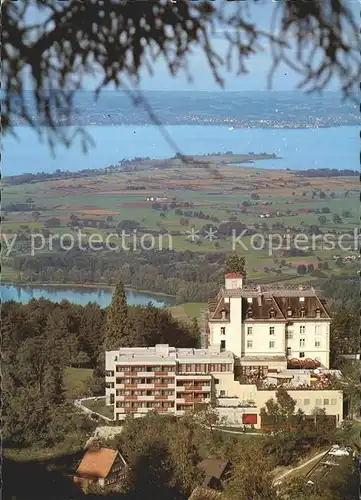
289	335
289	312
302	354
318	402
302	312
223	330
249	330
216	381
306	402
302	329
302	342
317	329
326	402
271	330
333	402
249	344
317	343
289	351
272	313
272	344
223	345
222	393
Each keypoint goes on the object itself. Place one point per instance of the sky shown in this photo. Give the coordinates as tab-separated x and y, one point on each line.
259	65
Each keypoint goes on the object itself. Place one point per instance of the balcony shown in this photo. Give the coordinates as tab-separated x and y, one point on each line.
126	398
191	400
194	388
163	398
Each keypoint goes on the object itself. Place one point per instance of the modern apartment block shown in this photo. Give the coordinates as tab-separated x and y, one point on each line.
269	327
259	338
162	378
171	381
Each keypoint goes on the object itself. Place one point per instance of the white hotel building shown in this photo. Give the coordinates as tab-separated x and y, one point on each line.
259	338
270	326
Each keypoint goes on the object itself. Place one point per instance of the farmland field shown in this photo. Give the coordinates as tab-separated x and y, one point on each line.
186	199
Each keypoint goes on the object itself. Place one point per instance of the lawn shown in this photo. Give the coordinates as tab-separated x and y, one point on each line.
98	406
188	310
75	381
194	309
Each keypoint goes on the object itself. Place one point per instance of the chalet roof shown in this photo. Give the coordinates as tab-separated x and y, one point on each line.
97	462
213	467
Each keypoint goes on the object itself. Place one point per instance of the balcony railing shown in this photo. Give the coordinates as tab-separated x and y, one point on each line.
194	387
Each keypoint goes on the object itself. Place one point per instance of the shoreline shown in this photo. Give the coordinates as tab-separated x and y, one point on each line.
38	284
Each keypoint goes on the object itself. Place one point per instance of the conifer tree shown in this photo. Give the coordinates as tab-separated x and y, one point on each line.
195	330
118	330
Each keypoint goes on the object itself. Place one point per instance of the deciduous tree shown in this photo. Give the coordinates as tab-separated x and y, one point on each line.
236	264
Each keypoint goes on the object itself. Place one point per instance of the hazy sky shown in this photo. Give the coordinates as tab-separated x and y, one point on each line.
258	65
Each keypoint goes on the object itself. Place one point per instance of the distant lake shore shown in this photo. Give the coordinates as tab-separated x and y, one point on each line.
79	285
80	294
299	149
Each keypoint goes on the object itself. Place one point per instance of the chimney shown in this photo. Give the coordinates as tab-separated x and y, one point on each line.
259	295
233	281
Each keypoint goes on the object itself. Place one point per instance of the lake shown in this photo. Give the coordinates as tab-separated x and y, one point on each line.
82	296
300	149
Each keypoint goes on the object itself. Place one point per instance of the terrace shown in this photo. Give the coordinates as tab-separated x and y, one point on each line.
234	402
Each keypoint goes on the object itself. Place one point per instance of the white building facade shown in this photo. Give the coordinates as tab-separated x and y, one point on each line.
285	325
164	379
258	339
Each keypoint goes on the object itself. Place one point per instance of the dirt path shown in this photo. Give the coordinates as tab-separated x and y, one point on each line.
279	479
247	433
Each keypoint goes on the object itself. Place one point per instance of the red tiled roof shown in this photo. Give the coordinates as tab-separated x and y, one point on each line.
97	462
233	275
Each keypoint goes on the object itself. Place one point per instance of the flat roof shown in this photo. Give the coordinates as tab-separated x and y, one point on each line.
263	358
164	354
